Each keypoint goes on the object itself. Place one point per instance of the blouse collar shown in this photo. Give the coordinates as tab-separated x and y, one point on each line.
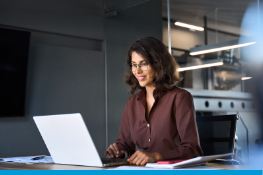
156	94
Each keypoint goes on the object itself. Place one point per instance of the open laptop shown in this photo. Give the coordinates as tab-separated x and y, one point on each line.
69	142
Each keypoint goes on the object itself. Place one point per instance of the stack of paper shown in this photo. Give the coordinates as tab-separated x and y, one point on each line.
29	159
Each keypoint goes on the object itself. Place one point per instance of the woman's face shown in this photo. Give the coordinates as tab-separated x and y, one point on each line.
145	77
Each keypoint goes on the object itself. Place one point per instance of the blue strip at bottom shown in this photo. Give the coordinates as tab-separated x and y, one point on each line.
131	172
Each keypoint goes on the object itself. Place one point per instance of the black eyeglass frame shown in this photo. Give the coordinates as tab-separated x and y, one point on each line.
138	65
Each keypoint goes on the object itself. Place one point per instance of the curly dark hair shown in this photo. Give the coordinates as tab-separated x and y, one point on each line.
156	53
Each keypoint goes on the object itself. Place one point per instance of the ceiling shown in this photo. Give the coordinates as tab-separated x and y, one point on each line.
229	11
121	4
192	11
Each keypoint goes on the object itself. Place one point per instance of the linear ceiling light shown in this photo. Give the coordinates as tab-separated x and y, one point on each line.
246	78
221	48
200	66
189	26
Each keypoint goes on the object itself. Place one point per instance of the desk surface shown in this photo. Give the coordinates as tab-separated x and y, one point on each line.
23	166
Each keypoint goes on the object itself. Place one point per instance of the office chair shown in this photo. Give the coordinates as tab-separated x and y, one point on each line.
217	135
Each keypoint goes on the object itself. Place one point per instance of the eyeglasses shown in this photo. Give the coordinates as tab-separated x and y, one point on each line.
142	66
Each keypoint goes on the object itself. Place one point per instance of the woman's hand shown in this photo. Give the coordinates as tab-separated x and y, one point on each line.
114	151
141	158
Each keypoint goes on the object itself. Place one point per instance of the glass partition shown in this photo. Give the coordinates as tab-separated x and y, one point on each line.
217	45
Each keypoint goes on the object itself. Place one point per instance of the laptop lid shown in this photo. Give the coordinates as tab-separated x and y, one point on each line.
68	140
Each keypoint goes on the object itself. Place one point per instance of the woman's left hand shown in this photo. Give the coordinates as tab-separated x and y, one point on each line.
141	158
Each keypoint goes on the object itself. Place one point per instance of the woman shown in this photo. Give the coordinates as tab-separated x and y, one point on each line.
160	119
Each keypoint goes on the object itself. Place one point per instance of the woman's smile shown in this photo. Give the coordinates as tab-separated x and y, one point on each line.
141	78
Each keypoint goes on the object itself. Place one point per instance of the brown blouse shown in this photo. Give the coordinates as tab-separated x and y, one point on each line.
170	130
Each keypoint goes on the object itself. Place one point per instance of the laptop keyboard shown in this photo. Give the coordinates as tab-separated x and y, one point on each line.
105	161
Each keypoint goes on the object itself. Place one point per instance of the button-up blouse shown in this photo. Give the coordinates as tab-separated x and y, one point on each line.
170	129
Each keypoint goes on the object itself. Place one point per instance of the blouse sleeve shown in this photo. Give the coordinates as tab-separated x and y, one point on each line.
189	146
124	140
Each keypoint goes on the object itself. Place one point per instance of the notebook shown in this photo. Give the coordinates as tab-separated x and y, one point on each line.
201	160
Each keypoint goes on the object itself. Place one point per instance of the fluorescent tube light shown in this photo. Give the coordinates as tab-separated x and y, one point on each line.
189	26
246	78
200	66
221	48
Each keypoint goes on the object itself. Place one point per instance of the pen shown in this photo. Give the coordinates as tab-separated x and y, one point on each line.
38	158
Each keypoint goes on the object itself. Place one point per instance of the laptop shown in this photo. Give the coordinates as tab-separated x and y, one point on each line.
69	142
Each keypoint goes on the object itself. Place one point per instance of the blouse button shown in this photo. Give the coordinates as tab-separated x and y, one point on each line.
149	140
148	125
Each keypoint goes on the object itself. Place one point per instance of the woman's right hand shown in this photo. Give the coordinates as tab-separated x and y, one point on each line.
114	151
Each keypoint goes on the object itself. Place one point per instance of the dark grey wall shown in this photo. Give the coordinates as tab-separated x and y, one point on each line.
66	65
121	31
83	18
66	69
